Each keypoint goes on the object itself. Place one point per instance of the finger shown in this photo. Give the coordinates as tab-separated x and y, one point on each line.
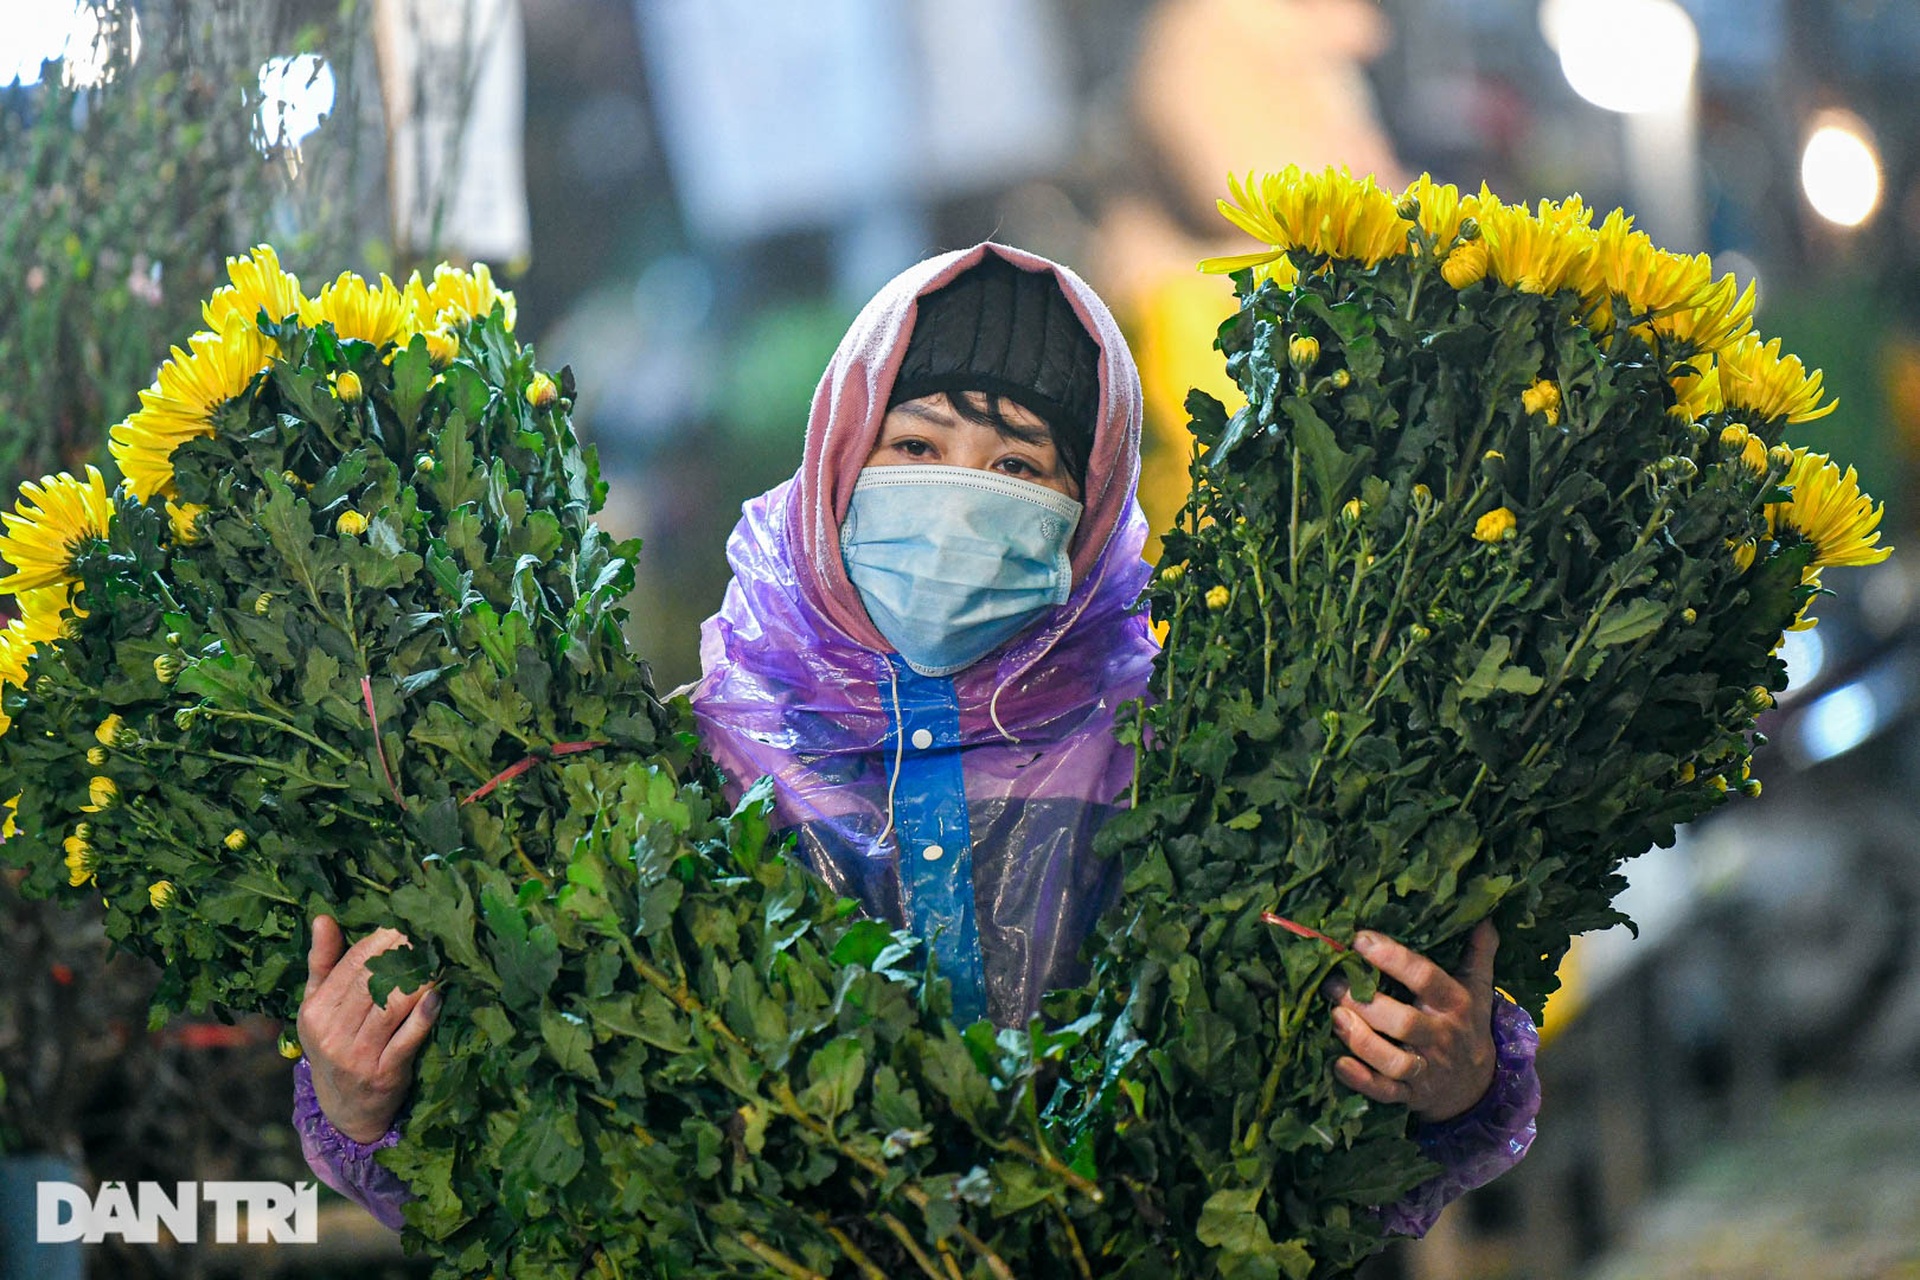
1476	968
1391	1017
1362	1079
1396	1062
1430	984
324	951
411	1034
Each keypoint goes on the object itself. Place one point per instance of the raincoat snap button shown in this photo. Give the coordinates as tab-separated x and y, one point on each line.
933	853
923	738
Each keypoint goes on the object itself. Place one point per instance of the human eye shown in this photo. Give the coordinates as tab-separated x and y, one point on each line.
914	448
1018	466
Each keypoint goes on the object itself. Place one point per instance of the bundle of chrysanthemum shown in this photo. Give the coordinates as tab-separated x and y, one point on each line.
1476	598
347	640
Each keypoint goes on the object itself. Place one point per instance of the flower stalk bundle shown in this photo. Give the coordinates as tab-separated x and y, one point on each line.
1477	597
348	640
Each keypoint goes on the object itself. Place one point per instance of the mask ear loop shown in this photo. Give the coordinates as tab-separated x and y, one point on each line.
899	752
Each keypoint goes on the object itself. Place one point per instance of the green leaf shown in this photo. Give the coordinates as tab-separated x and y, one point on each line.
1625	623
1491	674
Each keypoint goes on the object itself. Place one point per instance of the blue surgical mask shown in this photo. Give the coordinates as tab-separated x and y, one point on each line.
952	562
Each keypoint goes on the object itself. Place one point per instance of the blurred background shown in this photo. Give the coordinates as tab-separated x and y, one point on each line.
691	199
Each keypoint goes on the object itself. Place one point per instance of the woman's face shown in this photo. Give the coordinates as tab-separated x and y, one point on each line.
928	430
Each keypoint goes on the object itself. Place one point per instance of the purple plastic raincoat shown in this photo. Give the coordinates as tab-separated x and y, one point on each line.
962	806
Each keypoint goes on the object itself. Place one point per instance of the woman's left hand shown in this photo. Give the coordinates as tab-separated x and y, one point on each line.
1435	1055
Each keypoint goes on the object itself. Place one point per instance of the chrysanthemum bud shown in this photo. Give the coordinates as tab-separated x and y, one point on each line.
101	792
1340	379
1686	772
1734	437
1751	788
1678	466
1466	265
351	524
289	1046
167	667
1408	209
293	480
109	730
1689	616
542	391
236	840
1218	598
96	755
1353	510
184	718
1422	496
1418	634
1718	782
1303	352
347	388
1759	698
1781	456
1469	230
1172	574
1495	526
79	858
262	603
161	894
424	464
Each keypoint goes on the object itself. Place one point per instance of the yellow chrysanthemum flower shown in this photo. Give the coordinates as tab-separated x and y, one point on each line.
1722	316
44	612
1696	394
442	347
108	730
456	297
79	849
1496	525
50	520
357	310
102	791
1536	251
1757	378
1441	209
160	894
1626	263
1543	397
7	827
1218	598
183	516
15	652
258	285
1829	510
1744	550
1330	213
195	384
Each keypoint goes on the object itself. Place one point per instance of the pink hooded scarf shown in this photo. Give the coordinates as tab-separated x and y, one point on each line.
796	680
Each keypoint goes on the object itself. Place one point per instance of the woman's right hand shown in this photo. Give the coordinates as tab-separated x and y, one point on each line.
361	1055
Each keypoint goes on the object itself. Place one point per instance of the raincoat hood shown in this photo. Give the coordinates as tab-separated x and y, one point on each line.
798	684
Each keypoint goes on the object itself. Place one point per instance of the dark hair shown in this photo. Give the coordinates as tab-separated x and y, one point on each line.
1069	446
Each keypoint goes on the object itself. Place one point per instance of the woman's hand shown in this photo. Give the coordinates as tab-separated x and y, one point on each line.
361	1055
1434	1055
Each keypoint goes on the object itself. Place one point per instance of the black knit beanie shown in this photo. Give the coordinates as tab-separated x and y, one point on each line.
1005	331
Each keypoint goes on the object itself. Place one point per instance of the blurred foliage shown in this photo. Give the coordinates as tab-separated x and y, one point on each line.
121	201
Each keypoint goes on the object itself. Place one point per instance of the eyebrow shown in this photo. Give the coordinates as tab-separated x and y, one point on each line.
942	413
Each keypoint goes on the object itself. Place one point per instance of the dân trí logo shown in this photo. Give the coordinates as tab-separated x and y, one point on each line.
276	1213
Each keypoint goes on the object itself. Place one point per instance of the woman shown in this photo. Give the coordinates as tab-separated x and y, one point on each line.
928	633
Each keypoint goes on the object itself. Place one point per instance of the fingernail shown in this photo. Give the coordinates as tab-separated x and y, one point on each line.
1334	988
430	1004
1342	1020
1364	942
